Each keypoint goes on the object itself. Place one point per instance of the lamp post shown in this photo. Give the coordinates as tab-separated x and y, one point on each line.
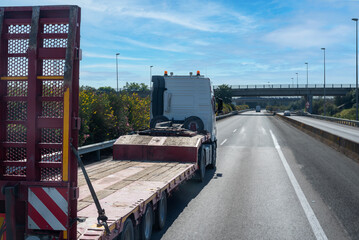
117	69
150	76
307	74
324	84
356	67
307	84
297	79
292	82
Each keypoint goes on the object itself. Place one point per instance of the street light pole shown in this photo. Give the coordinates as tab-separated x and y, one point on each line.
297	79
324	83
307	74
117	69
356	67
150	76
307	84
292	82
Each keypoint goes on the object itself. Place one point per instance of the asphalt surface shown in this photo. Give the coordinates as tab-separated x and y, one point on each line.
252	195
348	132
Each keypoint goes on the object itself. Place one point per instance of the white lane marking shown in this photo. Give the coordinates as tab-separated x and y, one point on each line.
313	221
242	130
264	132
235	130
225	140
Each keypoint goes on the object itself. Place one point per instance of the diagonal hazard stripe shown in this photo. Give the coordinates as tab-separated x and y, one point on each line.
50	204
40	221
31	224
57	198
63	192
48	216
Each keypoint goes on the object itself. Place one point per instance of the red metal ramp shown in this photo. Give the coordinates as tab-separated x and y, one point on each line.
39	84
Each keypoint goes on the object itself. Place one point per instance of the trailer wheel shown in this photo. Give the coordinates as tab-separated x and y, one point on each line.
214	157
193	123
161	212
157	119
201	165
128	231
146	223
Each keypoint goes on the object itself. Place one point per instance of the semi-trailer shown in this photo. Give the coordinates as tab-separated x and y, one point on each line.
43	195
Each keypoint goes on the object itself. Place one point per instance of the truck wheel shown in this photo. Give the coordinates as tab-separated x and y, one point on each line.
161	212
193	123
147	223
201	165
128	231
214	157
157	119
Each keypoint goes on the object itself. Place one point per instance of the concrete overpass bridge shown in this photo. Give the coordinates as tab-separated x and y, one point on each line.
308	91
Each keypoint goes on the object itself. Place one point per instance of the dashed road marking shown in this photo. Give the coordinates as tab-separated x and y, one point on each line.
225	140
235	130
313	221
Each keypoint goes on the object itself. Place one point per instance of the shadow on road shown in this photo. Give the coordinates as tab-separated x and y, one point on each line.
181	198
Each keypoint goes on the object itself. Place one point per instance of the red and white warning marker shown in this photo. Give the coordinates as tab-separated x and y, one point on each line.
47	208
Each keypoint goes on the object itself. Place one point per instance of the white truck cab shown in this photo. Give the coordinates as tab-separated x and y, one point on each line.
188	100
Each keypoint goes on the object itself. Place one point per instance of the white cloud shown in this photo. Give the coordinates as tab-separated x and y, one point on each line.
307	36
170	48
104	56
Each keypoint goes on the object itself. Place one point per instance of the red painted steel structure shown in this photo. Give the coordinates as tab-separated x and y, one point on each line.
39	84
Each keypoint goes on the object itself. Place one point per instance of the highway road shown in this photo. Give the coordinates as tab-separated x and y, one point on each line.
272	182
348	132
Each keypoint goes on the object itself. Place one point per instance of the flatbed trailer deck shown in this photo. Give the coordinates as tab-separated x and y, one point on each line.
124	188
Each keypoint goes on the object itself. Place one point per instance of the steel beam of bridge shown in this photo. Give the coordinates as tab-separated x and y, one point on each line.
290	90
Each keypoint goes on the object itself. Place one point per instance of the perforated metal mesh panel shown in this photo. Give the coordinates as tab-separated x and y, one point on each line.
50	98
19	29
55	43
16	88
35	92
17	66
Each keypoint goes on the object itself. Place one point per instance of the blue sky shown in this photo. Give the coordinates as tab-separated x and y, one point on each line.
232	42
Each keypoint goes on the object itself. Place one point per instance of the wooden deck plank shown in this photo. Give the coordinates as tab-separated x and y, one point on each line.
108	180
143	173
175	174
95	167
163	175
156	173
123	191
104	173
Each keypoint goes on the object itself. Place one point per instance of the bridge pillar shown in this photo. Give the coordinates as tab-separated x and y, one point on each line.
309	98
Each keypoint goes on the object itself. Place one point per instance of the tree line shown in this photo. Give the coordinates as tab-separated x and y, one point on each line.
106	114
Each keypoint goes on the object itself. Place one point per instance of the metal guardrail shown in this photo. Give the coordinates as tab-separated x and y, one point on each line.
337	120
231	114
278	86
97	147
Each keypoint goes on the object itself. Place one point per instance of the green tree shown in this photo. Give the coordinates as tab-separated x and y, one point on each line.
107	90
135	87
224	91
345	102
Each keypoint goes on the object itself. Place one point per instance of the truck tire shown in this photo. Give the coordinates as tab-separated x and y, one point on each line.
146	223
214	157
161	212
157	119
193	121
201	165
128	230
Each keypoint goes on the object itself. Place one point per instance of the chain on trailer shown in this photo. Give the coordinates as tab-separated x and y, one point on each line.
39	84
